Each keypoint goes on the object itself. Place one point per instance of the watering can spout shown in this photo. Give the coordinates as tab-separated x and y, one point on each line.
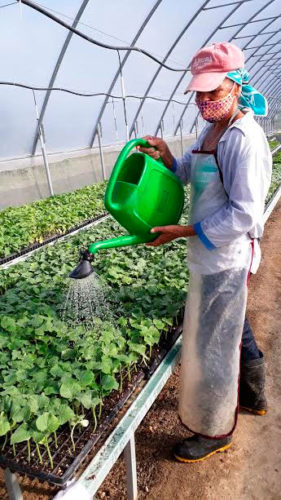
84	268
120	241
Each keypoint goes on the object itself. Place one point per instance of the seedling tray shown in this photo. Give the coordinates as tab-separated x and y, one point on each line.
65	461
50	239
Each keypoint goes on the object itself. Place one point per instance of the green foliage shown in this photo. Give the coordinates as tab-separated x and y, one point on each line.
276	176
52	374
32	223
273	143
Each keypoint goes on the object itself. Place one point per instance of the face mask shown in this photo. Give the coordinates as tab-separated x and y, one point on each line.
214	111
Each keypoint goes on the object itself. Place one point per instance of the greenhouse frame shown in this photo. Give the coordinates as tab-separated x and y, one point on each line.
80	79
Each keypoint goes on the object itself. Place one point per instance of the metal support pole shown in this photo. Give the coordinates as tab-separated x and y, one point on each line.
162	128
196	126
12	485
173	115
131	469
115	119
137	128
135	131
142	120
123	96
101	151
43	147
181	136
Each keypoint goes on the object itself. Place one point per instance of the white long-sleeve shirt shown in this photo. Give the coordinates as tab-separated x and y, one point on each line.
246	164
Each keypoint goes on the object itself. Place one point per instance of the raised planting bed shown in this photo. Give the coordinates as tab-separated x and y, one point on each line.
55	377
276	176
21	227
68	451
273	143
12	258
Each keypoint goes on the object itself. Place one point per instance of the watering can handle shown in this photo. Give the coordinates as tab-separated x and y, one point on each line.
134	143
121	158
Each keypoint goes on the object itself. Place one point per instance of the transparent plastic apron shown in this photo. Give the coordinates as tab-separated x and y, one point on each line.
214	318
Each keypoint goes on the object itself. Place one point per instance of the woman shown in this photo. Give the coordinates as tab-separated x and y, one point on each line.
229	168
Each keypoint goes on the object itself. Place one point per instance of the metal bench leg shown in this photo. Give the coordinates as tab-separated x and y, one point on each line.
12	485
131	470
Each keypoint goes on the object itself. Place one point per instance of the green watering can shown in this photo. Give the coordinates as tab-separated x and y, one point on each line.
141	194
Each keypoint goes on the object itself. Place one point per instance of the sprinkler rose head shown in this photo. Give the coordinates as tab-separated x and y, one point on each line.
84	268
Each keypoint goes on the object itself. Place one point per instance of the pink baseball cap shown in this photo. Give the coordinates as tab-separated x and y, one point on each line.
211	64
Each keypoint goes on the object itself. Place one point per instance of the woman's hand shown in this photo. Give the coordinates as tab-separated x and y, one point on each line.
170	233
161	150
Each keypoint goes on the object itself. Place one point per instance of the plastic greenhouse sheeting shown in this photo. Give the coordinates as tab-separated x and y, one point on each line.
38	52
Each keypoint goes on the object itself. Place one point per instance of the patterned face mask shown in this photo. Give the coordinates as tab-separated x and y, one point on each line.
214	111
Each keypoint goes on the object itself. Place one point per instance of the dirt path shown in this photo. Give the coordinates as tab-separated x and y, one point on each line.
251	468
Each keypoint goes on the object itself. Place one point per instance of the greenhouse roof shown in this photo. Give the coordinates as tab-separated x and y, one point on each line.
135	89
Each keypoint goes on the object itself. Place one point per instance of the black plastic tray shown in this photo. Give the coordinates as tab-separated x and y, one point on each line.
86	440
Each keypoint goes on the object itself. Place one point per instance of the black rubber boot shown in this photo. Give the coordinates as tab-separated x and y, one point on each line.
252	382
198	448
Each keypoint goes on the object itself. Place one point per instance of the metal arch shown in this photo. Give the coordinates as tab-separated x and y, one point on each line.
272	81
268	68
225	5
274	108
163	60
278	90
238	31
269	60
117	74
253	37
265	53
272	86
275	87
274	59
258	71
278	95
251	22
55	72
265	75
259	46
277	108
276	70
259	33
250	36
179	81
265	60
